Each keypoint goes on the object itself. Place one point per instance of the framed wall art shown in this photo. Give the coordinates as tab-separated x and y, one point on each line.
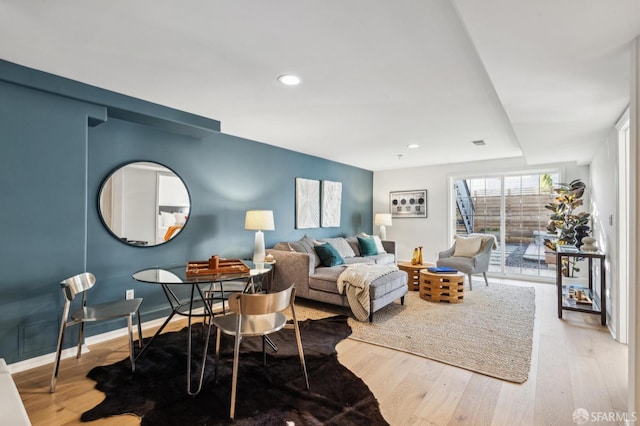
307	203
408	203
331	203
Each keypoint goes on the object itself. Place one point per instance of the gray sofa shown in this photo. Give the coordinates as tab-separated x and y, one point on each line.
297	263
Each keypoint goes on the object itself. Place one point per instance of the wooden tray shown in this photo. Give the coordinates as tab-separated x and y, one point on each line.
208	267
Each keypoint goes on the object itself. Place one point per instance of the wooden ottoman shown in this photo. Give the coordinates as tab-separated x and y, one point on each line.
413	271
442	287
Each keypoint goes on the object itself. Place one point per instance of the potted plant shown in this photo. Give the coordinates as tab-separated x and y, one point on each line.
563	220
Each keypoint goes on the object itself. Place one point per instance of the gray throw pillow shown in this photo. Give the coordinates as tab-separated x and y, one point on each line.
283	247
353	242
306	246
341	245
297	247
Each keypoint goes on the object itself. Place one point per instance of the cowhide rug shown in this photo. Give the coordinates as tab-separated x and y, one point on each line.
275	394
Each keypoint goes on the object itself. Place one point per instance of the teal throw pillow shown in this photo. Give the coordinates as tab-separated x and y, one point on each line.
367	246
328	255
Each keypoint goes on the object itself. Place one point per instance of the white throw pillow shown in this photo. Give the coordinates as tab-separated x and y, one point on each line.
379	245
467	246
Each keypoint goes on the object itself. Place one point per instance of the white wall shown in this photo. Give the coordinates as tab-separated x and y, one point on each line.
604	204
634	294
432	233
139	204
172	191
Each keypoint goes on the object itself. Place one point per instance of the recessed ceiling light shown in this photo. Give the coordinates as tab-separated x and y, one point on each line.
413	146
289	80
479	142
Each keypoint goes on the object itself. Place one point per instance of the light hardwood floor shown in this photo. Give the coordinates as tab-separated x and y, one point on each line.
575	364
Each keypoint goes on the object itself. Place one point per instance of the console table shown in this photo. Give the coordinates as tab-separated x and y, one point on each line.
598	306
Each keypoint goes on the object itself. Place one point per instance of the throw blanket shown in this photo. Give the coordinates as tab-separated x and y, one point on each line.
355	280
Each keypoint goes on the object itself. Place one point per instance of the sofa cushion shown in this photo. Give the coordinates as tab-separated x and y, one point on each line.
326	278
283	246
341	245
383	259
328	255
387	283
359	259
305	245
323	285
297	246
462	264
378	244
353	242
367	246
467	246
388	291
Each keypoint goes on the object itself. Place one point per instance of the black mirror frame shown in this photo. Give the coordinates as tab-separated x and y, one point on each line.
134	243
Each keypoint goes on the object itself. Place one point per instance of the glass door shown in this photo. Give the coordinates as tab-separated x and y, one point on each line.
512	209
525	224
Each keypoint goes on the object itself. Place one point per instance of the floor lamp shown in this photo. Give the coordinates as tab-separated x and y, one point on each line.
259	220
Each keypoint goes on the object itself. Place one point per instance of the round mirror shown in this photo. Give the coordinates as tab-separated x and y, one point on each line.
144	204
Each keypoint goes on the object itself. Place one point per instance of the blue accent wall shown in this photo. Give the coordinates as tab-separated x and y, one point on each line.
61	139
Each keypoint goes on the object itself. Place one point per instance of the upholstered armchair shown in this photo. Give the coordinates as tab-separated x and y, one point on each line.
469	255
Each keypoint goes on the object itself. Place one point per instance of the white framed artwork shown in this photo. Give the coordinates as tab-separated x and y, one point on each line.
307	203
331	203
408	203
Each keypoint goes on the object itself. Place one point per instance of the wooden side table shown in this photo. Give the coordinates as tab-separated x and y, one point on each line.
413	271
442	287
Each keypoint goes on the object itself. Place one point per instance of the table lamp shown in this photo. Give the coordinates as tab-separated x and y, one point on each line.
259	220
383	220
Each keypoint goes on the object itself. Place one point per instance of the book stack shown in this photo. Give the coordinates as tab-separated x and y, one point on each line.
441	270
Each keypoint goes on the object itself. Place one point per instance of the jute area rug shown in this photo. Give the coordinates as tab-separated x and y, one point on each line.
490	333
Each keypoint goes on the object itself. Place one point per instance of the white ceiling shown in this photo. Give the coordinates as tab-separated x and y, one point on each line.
545	79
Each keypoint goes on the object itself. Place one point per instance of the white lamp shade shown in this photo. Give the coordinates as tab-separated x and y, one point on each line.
383	219
259	220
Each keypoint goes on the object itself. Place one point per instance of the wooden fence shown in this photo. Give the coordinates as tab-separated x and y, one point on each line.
524	215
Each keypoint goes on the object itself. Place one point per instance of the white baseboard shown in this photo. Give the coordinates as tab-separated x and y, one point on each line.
49	358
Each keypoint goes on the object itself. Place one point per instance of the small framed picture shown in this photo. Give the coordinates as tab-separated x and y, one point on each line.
408	203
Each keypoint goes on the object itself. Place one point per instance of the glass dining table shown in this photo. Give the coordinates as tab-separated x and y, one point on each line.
203	290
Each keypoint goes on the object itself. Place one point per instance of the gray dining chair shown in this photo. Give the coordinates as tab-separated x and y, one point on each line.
257	314
470	263
126	308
